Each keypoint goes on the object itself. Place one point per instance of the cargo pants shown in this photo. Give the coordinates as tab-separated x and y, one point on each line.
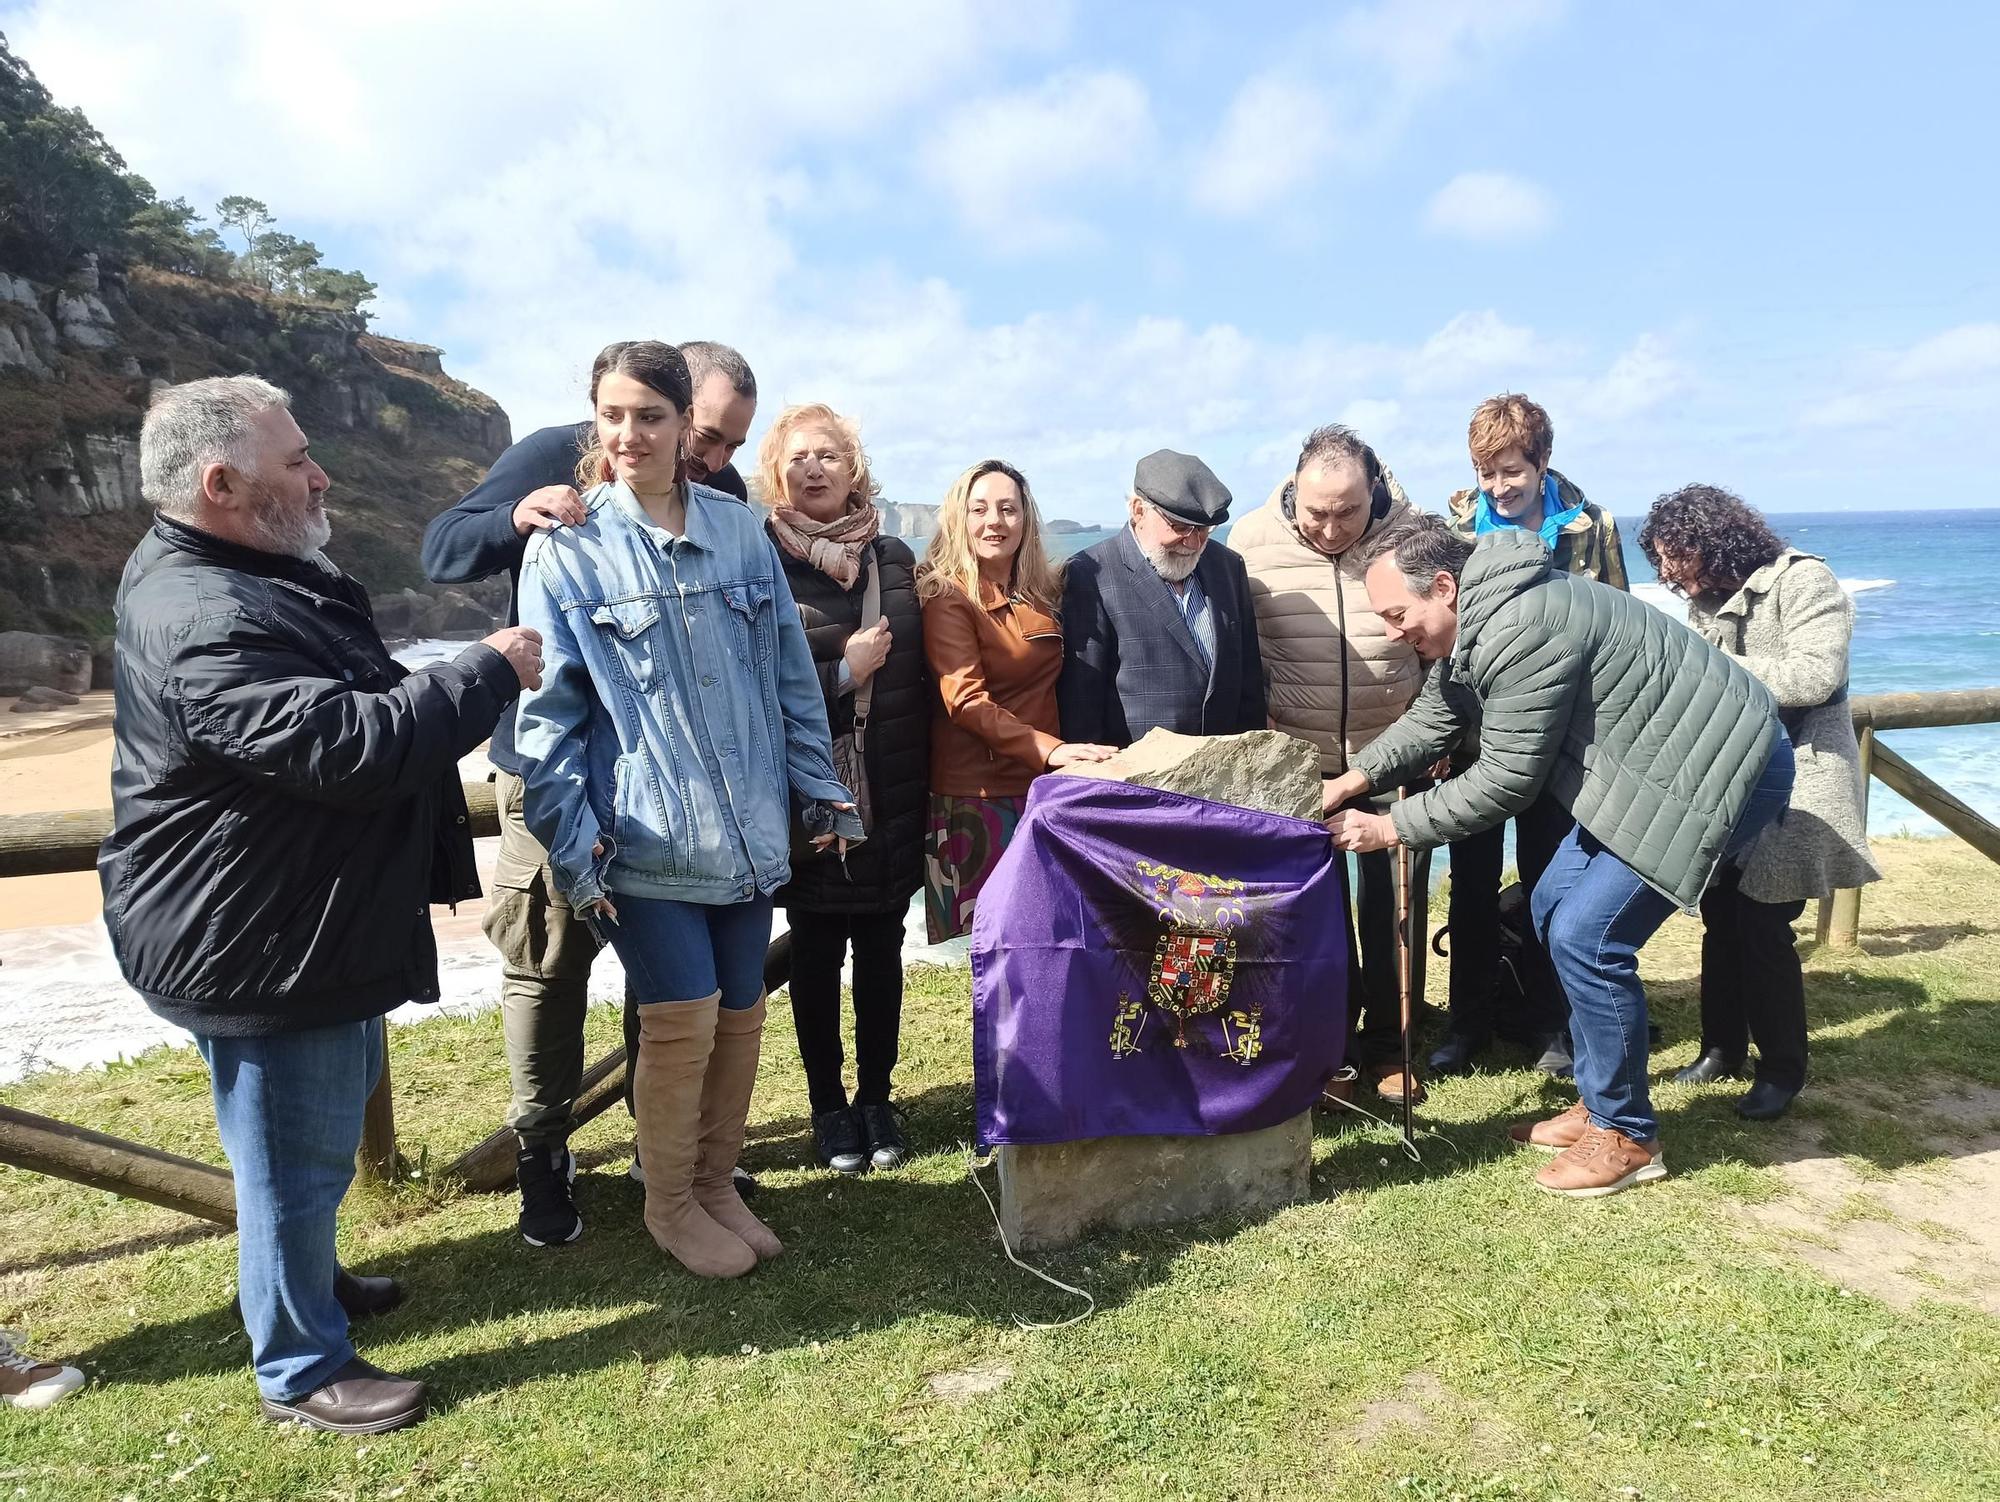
546	953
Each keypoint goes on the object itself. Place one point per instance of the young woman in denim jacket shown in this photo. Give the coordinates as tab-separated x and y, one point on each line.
677	715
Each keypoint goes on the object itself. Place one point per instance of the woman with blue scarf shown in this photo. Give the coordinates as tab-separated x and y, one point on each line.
1518	997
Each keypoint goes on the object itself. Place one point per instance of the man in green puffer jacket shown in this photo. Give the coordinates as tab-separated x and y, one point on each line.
1669	755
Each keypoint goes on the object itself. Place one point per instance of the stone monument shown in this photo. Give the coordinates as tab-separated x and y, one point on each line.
1050	1195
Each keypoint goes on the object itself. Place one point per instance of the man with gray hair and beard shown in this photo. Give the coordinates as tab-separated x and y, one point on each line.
285	808
1158	628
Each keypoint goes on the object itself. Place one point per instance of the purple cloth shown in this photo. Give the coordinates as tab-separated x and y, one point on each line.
1147	962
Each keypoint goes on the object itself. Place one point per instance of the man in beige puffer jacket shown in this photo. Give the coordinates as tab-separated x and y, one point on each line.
1334	678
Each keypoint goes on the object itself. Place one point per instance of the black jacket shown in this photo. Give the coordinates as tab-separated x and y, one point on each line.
476	538
285	798
1131	663
884	872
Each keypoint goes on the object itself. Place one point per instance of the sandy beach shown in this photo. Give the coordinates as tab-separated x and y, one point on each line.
51	760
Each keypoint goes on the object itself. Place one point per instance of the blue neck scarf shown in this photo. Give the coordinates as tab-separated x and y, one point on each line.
1486	519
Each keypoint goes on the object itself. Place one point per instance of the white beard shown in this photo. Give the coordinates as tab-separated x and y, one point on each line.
1170	566
294	535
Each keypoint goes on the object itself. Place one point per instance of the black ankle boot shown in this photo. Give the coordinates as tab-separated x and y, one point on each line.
1712	1065
1765	1102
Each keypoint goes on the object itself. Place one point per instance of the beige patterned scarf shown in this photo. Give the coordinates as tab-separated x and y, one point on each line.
835	547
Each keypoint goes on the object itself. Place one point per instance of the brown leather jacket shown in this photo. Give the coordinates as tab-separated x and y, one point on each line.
995	664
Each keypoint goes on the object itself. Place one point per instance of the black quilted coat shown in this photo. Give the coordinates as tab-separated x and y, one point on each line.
885	872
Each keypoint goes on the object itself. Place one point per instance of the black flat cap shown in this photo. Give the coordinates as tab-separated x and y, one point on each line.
1183	487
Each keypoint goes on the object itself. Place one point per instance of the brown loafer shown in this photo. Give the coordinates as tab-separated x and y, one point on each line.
1392	1084
357	1399
1602	1162
1555	1133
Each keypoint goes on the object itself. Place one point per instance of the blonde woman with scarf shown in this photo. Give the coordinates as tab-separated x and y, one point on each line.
857	599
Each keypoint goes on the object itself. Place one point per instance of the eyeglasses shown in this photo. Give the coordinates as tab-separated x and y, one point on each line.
1179	527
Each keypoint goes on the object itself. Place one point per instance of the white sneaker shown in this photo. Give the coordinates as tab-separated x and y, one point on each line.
28	1383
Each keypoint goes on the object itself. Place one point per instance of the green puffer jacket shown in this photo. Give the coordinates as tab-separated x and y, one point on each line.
1652	738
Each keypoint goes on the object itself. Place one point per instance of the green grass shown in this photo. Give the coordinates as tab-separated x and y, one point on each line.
1413	1331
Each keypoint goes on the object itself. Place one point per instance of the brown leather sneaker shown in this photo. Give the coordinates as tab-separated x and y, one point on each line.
1391	1083
357	1399
1602	1162
1554	1134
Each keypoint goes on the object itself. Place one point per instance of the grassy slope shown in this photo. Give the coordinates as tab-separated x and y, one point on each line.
1414	1331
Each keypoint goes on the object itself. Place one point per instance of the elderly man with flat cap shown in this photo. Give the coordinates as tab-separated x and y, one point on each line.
1157	625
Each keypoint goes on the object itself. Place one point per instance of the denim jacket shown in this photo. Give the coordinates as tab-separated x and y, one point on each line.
678	707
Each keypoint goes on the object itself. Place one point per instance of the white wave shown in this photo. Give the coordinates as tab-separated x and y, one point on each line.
1662	598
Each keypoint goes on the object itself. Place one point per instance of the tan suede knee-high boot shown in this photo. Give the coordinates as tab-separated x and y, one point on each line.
725	1107
676	1040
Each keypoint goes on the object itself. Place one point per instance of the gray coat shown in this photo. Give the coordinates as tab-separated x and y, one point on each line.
1791	624
1650	737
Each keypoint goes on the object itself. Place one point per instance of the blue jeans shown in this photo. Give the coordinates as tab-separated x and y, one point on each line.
289	1108
683	951
1593	913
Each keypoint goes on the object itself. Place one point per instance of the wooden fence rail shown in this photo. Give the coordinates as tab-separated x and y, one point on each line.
49	844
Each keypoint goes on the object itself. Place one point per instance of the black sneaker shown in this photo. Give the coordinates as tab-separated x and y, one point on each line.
838	1142
548	1211
882	1125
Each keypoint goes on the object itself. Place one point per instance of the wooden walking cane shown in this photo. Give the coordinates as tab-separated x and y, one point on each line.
1405	975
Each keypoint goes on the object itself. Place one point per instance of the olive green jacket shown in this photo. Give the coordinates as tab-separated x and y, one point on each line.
1589	545
1648	735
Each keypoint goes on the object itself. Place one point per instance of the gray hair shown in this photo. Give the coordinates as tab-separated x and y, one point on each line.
705	357
1423	547
1334	441
196	424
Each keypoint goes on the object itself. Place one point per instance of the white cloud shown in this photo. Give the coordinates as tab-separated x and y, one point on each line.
1349	91
1971	349
1950	375
519	212
1275	136
1490	206
1006	161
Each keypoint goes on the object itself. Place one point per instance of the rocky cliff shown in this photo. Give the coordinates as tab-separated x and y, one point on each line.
78	362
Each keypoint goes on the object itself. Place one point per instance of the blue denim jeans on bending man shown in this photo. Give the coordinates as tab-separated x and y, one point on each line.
289	1108
1594	913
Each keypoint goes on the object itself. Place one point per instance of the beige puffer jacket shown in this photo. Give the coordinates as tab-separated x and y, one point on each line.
1332	676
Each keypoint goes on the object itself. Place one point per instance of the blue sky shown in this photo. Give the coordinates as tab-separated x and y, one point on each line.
1751	245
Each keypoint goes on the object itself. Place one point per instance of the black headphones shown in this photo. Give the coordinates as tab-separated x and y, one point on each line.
1378	488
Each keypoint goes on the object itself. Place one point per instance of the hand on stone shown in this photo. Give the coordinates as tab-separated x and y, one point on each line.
1342	789
1355	830
1071	752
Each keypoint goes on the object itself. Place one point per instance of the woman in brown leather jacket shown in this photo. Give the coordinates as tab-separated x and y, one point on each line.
994	645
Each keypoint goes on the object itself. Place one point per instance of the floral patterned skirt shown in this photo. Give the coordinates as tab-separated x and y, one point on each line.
961	848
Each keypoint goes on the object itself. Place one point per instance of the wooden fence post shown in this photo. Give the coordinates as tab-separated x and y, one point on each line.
1841	927
376	1163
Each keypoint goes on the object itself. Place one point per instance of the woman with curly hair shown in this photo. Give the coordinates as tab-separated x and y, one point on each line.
1782	614
857	598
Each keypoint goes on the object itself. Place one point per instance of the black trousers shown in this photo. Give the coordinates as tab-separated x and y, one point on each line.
1752	986
819	947
1476	864
1374	1014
